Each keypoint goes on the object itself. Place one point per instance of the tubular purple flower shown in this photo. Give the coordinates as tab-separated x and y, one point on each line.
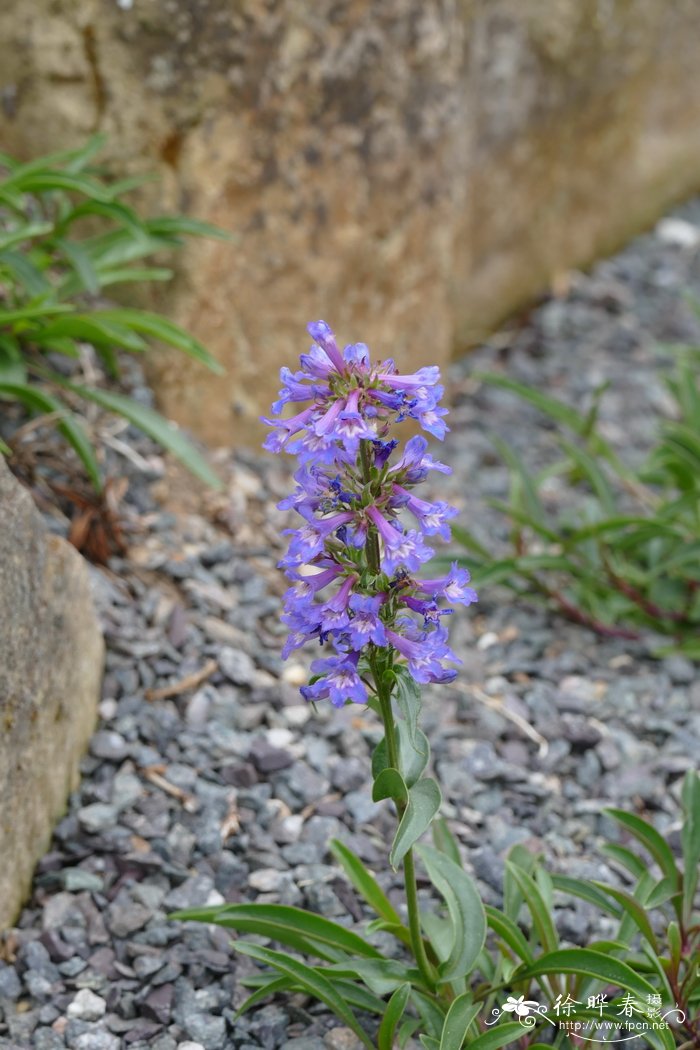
416	462
424	654
326	423
433	517
352	427
410	552
453	586
427	607
309	540
322	334
390	534
339	681
366	625
316	363
276	442
428	376
357	354
334	613
310	585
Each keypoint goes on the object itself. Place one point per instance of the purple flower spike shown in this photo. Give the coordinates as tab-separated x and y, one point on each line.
353	539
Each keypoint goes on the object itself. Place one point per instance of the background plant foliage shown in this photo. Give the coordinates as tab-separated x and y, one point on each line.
622	553
66	237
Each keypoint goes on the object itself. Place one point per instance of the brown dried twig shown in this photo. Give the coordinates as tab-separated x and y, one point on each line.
190	681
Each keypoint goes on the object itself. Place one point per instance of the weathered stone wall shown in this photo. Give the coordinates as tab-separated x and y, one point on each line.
51	654
411	171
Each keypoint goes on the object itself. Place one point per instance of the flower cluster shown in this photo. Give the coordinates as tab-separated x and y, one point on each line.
353	561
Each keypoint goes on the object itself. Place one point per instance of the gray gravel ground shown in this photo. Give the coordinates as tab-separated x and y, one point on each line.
231	789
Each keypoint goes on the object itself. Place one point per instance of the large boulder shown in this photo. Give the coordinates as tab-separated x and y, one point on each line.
51	654
409	170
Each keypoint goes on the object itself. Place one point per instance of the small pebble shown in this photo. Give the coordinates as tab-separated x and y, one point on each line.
86	1006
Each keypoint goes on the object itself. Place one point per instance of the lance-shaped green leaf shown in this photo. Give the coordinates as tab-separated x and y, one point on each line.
394	1012
407	1029
39	401
157	327
541	914
583	962
586	891
310	980
271	987
624	856
408	697
557	410
460	1015
506	1034
389	784
432	1014
382	976
634	909
414	752
444	840
24	232
98	330
283	923
465	909
153	424
365	883
508	931
412	760
650	838
359	996
424	800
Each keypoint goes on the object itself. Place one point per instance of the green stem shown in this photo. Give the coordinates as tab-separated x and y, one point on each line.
409	871
373	556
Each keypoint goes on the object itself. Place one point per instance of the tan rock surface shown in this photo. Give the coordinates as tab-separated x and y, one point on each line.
410	171
51	654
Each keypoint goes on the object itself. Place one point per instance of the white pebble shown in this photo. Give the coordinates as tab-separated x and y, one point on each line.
295	674
679	232
297	715
279	737
265	880
487	640
108	709
87	1006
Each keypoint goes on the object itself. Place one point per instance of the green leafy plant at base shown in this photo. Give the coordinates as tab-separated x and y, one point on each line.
623	555
470	960
51	287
